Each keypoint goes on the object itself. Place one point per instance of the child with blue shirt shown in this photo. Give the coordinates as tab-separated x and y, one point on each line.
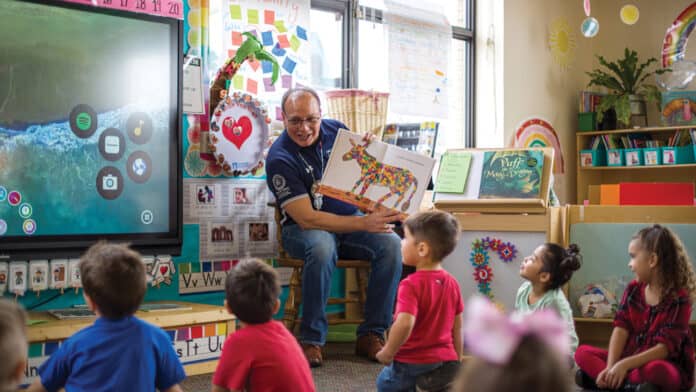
119	352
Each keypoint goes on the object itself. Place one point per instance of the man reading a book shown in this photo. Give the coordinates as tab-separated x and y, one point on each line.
319	229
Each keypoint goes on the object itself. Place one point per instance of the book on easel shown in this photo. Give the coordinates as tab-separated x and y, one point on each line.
495	180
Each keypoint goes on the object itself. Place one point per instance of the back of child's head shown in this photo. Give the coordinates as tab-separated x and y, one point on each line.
113	276
439	229
251	290
674	266
514	353
13	344
560	263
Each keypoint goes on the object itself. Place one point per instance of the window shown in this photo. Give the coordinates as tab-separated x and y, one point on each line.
326	60
364	66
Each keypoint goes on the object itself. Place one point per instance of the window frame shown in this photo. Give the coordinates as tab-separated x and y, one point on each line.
353	12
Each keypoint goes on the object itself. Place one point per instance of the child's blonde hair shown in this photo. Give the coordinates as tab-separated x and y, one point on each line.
674	266
13	343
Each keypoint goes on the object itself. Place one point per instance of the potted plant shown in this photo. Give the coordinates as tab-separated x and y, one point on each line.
625	79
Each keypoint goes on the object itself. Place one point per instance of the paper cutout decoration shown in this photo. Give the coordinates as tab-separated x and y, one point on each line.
4	274
149	263
480	260
562	43
629	14
75	280
163	270
18	277
58	279
537	132
511	174
677	36
239	134
38	275
586	7
589	27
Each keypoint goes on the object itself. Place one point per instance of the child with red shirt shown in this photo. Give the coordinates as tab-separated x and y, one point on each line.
651	347
262	355
426	333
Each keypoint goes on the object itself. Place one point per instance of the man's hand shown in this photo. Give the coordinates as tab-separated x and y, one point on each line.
378	221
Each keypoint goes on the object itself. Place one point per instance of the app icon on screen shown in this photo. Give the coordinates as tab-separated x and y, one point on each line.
83	121
3	193
109	182
25	210
29	226
146	217
14	198
112	144
139	167
3	227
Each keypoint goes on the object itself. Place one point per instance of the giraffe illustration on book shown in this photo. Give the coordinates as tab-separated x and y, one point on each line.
373	172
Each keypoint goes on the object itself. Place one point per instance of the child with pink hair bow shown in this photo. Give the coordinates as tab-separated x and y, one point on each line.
513	353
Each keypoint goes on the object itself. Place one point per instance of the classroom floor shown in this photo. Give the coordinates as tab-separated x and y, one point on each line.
343	371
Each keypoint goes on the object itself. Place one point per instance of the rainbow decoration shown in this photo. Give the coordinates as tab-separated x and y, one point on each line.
677	35
536	132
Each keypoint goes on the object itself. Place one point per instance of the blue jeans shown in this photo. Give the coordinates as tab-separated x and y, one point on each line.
399	376
320	249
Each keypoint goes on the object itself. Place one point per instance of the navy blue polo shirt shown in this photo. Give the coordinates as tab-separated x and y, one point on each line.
291	169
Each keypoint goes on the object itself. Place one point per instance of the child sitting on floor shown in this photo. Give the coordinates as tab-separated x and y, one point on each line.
546	270
13	345
651	345
119	352
262	355
426	332
515	353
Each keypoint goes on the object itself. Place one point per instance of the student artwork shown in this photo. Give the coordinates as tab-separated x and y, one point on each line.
163	270
597	302
38	276
4	273
149	263
537	132
677	36
58	274
562	43
18	277
629	14
239	134
511	174
75	280
480	260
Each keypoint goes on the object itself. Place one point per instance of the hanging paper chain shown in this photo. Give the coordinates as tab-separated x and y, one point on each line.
483	274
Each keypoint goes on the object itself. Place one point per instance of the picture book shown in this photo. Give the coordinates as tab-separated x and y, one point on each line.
511	174
374	174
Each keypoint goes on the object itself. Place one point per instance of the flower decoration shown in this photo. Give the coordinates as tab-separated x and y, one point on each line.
480	260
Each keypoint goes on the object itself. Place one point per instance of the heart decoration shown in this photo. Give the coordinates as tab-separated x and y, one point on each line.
164	269
236	131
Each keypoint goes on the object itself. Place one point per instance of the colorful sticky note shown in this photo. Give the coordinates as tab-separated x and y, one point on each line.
210	330
254	65
267	66
221	329
267	38
197	332
283	41
238	84
183	334
236	38
231	53
279	114
268	85
185	268
294	43
235	11
278	51
35	350
253	16
268	17
195	267
286	81
217	266
302	33
172	334
280	25
50	347
226	265
252	86
207	265
289	65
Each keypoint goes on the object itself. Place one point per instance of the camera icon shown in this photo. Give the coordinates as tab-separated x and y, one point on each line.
110	182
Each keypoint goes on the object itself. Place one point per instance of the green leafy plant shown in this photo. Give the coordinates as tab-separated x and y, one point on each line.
624	77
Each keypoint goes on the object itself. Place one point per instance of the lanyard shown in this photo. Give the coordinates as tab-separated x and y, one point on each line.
317	198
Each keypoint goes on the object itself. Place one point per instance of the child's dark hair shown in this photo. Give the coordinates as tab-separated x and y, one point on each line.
560	263
113	276
438	228
251	290
533	367
674	265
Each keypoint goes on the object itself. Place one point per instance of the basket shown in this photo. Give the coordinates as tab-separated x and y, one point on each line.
362	111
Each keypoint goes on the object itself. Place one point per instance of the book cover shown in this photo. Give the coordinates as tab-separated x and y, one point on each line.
375	174
511	174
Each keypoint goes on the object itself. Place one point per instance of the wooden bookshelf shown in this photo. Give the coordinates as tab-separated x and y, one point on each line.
597	175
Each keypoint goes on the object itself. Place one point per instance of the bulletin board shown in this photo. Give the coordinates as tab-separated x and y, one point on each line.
523	231
603	234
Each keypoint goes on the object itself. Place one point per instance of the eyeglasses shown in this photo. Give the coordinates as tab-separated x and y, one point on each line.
297	122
